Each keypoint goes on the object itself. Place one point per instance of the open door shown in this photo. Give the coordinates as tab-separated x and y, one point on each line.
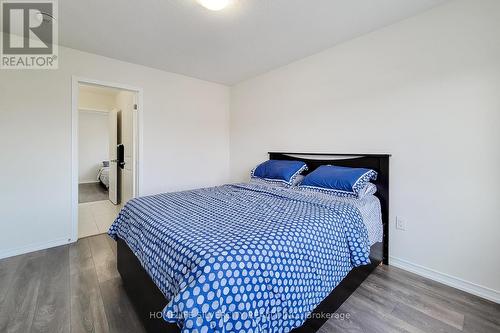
113	156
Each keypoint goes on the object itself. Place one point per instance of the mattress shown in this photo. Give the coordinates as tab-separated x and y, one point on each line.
370	210
368	206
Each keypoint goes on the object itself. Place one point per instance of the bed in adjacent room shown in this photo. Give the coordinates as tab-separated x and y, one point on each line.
103	174
254	257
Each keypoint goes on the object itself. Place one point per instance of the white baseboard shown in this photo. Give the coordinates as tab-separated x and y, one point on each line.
469	287
33	247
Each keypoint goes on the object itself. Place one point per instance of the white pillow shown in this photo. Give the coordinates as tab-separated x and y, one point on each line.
369	189
298	180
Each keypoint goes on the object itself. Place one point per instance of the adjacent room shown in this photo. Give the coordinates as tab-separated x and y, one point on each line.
94	135
105	155
250	166
96	211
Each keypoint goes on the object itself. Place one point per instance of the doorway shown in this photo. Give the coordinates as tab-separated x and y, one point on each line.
105	153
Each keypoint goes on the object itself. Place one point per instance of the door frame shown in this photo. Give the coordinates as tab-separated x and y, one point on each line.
137	141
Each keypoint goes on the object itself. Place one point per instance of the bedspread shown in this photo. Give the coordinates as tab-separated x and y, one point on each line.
243	257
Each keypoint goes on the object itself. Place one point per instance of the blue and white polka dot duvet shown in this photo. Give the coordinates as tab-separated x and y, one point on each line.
243	257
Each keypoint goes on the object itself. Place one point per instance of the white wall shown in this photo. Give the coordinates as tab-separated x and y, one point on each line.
96	98
93	130
427	90
93	144
185	126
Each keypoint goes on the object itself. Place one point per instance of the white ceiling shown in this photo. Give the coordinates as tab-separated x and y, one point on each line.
246	39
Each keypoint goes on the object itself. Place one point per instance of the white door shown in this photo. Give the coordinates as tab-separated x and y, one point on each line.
126	101
113	162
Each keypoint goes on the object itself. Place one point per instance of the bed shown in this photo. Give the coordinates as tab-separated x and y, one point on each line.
103	174
249	257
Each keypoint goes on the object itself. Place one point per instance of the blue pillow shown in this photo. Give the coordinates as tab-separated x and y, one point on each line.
279	171
342	181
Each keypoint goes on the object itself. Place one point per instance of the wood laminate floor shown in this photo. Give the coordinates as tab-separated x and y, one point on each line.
76	288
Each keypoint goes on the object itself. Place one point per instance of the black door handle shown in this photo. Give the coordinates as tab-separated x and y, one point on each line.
120	154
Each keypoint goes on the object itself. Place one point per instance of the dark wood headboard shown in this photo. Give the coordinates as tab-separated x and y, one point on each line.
377	162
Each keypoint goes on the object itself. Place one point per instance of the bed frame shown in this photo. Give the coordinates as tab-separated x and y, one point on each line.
148	300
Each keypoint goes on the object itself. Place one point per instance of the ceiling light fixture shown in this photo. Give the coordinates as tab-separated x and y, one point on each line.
214	4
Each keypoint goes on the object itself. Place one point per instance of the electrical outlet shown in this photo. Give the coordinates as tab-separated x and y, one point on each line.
400	223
